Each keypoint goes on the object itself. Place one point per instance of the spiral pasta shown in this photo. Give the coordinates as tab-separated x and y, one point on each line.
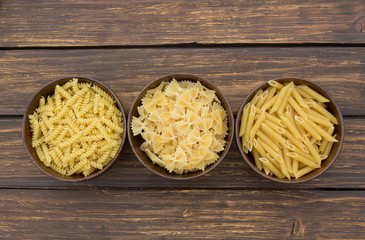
76	130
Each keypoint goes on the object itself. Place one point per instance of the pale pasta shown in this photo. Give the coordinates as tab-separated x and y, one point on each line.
183	126
289	131
77	130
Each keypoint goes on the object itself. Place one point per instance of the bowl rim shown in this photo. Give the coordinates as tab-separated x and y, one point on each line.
253	166
96	173
198	173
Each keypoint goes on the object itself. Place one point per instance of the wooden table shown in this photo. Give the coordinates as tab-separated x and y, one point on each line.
236	45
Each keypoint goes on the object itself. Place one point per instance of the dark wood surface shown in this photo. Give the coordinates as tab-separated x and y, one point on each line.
236	45
235	71
26	23
188	214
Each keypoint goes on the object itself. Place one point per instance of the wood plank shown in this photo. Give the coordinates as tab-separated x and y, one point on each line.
127	172
236	71
189	214
146	22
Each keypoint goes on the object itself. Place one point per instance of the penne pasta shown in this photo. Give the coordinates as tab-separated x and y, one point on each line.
272	133
287	129
269	104
275	84
303	171
260	149
270	94
304	94
280	99
267	148
271	167
257	160
299	98
303	160
287	160
283	167
257	125
297	108
295	167
312	150
268	140
262	99
322	132
313	93
325	113
319	120
292	127
244	117
250	120
328	147
256	98
325	142
274	126
286	97
307	127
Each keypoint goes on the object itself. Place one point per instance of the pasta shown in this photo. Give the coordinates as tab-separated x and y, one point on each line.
288	131
183	126
77	130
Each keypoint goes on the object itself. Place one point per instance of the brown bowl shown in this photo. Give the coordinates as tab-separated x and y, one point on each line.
136	141
331	107
48	90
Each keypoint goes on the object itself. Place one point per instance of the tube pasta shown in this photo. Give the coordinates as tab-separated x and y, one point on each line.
262	99
244	119
250	121
268	140
313	93
280	99
288	130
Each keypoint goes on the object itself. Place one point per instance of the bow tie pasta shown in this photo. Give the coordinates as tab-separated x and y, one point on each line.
183	125
77	130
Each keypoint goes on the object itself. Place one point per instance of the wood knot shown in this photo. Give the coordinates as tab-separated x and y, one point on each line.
360	24
298	228
186	212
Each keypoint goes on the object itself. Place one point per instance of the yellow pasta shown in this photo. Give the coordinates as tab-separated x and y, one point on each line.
272	133
184	126
246	110
299	98
256	126
280	99
250	120
297	108
69	127
324	112
313	93
262	99
308	127
286	97
290	130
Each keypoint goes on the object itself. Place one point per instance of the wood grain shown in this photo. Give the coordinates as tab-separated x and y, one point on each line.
189	214
146	22
127	172
236	71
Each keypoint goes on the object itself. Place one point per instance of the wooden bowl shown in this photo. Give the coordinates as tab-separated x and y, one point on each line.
136	141
48	90
331	107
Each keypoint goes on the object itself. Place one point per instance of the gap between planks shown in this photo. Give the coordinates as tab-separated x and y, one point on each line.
190	45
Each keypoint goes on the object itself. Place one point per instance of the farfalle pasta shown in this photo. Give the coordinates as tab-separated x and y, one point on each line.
76	130
183	126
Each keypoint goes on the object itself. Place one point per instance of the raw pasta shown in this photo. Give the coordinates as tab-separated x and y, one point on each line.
183	126
290	132
78	129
